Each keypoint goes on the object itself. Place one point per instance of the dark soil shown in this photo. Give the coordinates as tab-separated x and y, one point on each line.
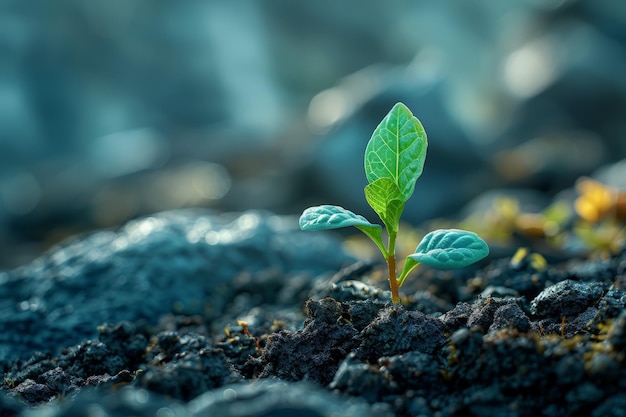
505	339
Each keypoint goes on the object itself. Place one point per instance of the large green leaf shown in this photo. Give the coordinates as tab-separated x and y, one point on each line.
450	248
384	196
397	150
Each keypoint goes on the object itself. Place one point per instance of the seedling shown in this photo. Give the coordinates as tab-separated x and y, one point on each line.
394	160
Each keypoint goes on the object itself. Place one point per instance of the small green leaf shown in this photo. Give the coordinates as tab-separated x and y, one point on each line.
375	232
451	248
397	150
334	217
409	265
331	217
384	197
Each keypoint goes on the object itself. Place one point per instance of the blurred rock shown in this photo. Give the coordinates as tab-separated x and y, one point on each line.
274	398
613	175
122	402
182	261
267	398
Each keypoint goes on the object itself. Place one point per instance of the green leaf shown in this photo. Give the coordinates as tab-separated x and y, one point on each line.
384	197
450	248
334	217
375	232
409	265
397	150
331	217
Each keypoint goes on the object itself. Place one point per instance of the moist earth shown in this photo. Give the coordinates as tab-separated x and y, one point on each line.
159	317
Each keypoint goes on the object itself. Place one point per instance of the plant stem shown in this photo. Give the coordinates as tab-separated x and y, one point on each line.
393	283
391	267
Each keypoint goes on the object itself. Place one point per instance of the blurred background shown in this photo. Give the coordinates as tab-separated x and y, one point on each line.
115	109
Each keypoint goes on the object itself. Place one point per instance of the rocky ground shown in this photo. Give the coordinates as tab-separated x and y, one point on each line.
189	312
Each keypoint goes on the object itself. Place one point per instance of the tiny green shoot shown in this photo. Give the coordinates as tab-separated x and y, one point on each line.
394	160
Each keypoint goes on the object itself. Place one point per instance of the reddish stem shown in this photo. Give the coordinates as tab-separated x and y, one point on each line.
393	282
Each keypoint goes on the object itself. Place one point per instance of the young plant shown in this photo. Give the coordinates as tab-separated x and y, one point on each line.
394	159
